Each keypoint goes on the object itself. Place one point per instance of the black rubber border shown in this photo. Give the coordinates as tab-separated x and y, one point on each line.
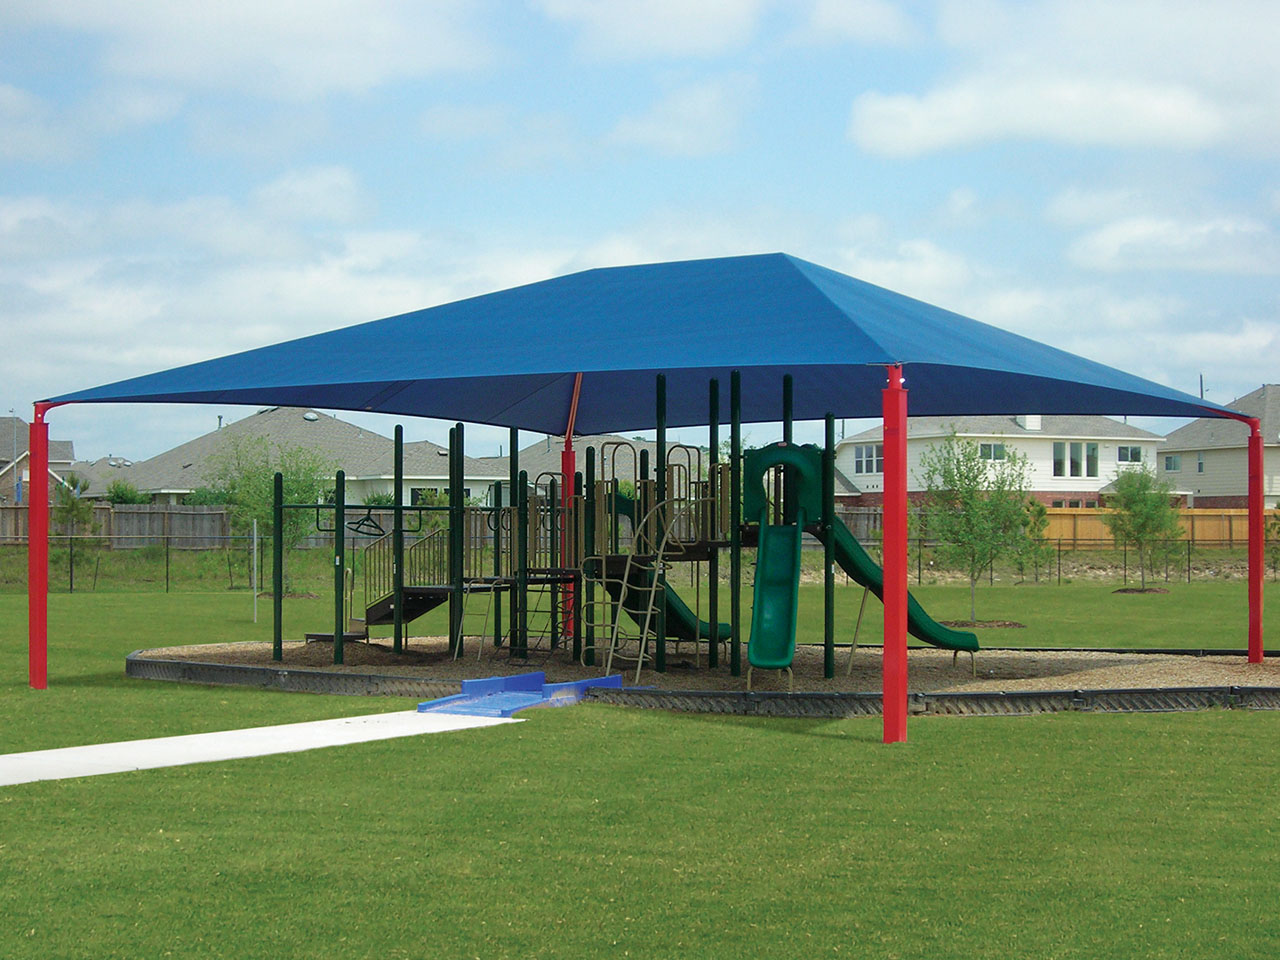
142	667
743	703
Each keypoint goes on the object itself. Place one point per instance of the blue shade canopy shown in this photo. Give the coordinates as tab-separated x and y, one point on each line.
510	357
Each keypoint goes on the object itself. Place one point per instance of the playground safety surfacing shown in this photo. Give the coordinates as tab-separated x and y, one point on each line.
997	682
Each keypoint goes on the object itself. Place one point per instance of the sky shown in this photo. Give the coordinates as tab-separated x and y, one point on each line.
182	180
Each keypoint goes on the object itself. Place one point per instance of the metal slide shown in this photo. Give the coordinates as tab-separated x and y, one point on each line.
855	562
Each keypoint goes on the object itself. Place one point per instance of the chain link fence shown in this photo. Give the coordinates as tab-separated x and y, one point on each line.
173	563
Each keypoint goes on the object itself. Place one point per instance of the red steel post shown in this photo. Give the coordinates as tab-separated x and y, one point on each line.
38	552
1257	533
895	558
568	468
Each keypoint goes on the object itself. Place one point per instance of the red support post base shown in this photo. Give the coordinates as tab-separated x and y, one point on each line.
38	552
895	558
1257	534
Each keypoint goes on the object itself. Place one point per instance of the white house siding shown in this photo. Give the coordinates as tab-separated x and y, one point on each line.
361	488
1039	453
1225	478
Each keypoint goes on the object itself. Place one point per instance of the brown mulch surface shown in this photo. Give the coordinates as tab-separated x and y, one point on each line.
931	670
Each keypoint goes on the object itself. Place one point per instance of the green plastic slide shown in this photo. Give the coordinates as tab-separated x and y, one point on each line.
681	623
777	596
806	464
855	562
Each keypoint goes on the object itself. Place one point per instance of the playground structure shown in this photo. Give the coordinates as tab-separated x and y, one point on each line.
847	341
586	559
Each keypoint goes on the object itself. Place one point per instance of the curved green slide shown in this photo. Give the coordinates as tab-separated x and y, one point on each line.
806	461
855	562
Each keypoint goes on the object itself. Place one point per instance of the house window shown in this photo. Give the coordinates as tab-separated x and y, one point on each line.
1075	459
869	458
1129	454
1173	462
1199	463
991	451
1075	504
419	496
1059	503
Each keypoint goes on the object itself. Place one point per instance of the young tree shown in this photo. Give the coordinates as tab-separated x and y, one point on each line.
70	509
975	508
244	471
1035	550
122	491
1141	513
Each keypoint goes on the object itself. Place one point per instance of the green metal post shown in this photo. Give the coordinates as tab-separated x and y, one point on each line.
829	550
497	561
397	543
339	563
788	475
553	559
456	539
521	646
735	522
513	500
277	568
713	555
589	549
660	475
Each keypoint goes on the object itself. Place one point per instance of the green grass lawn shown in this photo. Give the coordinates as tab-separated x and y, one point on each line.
598	831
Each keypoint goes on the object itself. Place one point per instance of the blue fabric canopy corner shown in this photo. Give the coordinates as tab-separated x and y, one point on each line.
510	358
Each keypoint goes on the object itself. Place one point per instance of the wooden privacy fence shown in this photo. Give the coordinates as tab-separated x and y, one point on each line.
125	526
1216	527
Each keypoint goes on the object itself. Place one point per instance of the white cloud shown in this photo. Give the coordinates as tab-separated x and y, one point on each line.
1078	205
871	22
918	268
695	120
1231	245
641	29
463	121
1089	72
319	193
117	109
287	49
1064	109
28	128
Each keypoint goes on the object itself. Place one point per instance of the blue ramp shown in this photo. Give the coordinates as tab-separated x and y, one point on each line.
504	696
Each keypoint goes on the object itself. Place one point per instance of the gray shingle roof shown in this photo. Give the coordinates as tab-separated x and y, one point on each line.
544	456
186	467
422	458
1210	432
1093	427
15	428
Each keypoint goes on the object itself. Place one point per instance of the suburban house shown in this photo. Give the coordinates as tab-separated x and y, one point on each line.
364	456
15	436
1207	459
1072	459
616	456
